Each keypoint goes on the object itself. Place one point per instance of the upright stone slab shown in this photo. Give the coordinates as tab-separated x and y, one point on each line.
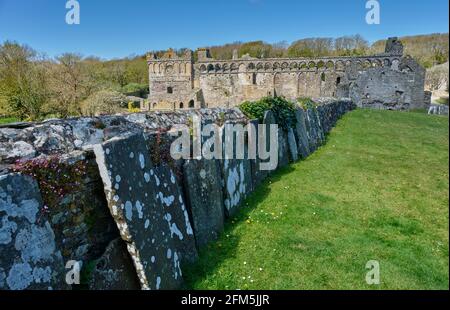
29	259
293	148
258	175
145	224
311	130
320	132
114	270
203	186
236	174
283	158
301	135
170	196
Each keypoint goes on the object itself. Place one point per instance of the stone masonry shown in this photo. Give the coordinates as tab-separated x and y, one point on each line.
388	80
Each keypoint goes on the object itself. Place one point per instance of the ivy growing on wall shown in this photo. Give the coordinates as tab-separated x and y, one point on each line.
283	110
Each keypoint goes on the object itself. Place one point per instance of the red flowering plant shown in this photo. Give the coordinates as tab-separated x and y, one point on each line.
56	179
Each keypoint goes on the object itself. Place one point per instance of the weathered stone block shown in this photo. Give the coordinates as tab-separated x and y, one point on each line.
29	256
114	270
203	186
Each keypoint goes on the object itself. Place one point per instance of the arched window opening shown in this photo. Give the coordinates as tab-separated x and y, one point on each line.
191	104
254	79
322	77
170	90
181	105
338	80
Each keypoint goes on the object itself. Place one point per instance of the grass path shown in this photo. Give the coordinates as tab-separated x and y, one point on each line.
378	190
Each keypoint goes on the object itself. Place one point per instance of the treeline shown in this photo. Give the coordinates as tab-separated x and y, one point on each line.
33	86
429	50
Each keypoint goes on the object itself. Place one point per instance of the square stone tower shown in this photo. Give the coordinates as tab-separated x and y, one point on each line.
171	81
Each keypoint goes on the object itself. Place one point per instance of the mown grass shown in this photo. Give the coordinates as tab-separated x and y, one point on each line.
378	190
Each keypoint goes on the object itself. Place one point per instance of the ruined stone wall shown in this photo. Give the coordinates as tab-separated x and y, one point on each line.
135	217
227	83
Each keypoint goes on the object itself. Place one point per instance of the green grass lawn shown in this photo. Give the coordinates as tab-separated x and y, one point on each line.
378	190
8	120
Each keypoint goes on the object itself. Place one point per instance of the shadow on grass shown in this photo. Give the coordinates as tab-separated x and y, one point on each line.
213	254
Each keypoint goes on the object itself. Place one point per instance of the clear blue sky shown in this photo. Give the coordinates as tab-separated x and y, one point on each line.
111	28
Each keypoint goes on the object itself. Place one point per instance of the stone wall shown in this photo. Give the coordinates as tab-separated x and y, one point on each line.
134	218
367	80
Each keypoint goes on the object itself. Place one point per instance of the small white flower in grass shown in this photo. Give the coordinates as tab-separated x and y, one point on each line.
243	278
251	281
245	263
260	269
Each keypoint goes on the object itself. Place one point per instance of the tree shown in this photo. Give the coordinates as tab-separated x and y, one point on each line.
23	82
103	102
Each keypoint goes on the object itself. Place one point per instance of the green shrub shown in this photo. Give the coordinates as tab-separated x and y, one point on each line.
135	89
283	110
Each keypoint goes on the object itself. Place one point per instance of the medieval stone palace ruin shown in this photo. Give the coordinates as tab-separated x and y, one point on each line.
388	81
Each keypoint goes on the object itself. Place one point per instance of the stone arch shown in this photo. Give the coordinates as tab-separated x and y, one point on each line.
367	64
191	104
276	66
339	66
377	63
321	65
312	65
161	68
225	67
277	84
217	67
395	63
202	68
284	66
259	66
267	66
181	105
330	66
234	67
210	67
242	67
154	105
293	66
251	66
303	66
386	62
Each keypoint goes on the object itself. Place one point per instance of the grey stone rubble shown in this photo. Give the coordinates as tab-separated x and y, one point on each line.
127	201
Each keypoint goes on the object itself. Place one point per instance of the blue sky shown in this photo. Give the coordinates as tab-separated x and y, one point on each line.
111	28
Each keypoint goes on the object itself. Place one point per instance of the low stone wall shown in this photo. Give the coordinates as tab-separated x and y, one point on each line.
103	191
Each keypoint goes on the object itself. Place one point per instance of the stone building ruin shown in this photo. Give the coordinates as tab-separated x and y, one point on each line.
388	81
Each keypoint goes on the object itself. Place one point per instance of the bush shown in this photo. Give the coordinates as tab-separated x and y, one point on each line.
103	102
283	110
135	89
